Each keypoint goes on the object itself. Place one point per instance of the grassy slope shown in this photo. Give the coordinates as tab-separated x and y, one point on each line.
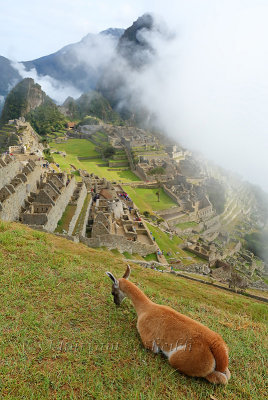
63	338
146	199
82	147
185	225
172	246
85	148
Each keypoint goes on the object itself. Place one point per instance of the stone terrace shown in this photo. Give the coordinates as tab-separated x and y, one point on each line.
17	179
45	207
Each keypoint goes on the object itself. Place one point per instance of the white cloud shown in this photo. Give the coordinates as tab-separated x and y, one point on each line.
209	89
58	91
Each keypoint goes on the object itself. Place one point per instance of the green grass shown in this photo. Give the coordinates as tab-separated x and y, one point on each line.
60	133
100	137
172	246
185	225
150	257
63	338
82	215
118	175
164	242
66	218
83	148
146	199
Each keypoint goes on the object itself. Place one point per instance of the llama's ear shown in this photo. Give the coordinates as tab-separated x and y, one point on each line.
127	273
115	281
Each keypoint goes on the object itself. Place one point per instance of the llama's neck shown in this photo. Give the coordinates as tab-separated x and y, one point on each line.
138	298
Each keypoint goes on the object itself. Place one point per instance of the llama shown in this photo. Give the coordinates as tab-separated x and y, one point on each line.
190	347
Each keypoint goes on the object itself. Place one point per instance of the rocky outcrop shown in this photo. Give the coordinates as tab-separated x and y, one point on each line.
24	97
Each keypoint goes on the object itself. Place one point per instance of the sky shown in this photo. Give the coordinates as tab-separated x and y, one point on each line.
208	87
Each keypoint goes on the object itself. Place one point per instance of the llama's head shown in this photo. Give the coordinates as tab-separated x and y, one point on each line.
116	292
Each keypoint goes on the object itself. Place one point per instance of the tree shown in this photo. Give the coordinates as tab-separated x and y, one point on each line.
109	151
46	118
157	171
159	221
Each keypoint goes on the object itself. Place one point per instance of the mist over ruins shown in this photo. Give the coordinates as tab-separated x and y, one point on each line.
102	164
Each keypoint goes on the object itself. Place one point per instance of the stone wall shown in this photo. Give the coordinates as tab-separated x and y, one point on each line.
197	253
61	202
170	194
11	207
235	249
169	211
120	243
118	164
84	228
79	205
9	171
142	174
35	219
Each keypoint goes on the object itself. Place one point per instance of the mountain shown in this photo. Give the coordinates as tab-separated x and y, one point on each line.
133	45
91	103
28	100
114	32
133	52
98	62
84	64
68	65
8	76
24	97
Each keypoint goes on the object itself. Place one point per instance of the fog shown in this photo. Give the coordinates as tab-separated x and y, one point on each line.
209	90
207	87
58	91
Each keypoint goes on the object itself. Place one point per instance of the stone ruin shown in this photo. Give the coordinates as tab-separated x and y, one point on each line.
175	152
147	164
35	196
28	140
113	220
17	179
212	251
191	198
45	207
202	249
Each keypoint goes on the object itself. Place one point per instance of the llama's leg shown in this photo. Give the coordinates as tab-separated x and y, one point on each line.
196	360
227	373
217	377
150	344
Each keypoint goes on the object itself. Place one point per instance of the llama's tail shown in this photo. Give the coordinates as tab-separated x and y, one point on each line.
220	353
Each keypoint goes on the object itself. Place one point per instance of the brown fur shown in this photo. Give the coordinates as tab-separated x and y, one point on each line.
203	353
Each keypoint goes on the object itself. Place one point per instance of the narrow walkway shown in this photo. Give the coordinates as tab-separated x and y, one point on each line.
161	258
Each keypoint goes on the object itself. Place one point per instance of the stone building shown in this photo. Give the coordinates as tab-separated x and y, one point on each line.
203	249
191	198
17	180
46	206
148	166
113	220
17	149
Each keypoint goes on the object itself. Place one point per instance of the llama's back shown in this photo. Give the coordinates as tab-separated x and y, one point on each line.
170	329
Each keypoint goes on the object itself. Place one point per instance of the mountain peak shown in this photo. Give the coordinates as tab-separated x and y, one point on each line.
114	32
133	45
24	97
145	22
